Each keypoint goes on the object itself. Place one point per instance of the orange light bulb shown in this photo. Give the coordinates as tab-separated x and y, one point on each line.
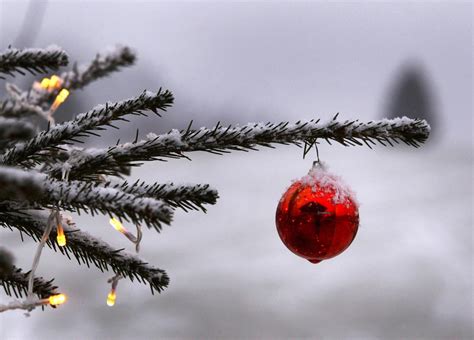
54	83
44	83
60	238
60	98
111	298
57	299
117	225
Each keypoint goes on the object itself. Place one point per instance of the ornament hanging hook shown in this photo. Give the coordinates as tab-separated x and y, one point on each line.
307	146
317	161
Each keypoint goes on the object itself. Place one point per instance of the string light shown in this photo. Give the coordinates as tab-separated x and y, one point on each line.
117	225
44	83
57	299
60	98
111	298
60	238
134	239
49	84
54	83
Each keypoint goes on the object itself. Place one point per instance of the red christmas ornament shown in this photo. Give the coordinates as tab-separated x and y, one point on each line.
317	217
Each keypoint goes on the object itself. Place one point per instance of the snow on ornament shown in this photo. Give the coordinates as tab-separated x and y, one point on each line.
317	217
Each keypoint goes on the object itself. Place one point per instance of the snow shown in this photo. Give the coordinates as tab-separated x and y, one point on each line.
51	49
321	179
110	58
15	175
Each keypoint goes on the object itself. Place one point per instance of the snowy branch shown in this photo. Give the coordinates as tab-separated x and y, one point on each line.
85	248
38	100
33	60
28	305
16	283
111	60
20	109
36	188
219	140
183	196
93	198
85	123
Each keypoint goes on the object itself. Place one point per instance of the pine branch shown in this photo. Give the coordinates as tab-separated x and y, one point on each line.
32	60
36	188
37	101
92	198
15	284
184	196
111	60
220	140
16	108
84	125
85	248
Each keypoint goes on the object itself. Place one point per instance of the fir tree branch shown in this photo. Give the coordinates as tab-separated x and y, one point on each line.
92	198
15	284
15	108
38	100
111	60
32	60
220	140
28	304
184	196
36	188
85	248
84	125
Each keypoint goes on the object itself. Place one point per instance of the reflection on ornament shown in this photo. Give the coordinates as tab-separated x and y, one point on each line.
317	217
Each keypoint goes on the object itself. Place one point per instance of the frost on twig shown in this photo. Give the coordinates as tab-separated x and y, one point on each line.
220	140
38	100
20	109
85	248
184	196
86	123
28	305
33	60
31	187
15	283
93	198
106	62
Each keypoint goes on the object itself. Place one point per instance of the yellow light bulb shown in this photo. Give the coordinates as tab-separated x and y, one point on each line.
44	83
117	225
60	238
60	98
54	83
58	299
111	298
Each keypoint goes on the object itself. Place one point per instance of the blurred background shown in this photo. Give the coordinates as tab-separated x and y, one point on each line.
408	273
